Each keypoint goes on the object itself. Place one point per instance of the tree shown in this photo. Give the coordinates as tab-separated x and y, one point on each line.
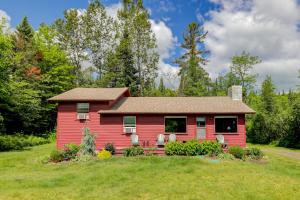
268	95
241	67
194	80
144	47
100	33
161	86
24	30
71	37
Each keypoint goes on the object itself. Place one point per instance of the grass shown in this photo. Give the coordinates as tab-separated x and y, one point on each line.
23	176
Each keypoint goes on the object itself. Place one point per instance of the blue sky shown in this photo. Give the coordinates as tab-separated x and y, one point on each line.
266	28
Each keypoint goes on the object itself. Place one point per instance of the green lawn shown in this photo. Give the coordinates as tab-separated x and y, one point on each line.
23	176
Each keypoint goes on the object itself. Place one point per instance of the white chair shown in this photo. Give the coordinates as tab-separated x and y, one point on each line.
160	140
220	139
134	139
172	137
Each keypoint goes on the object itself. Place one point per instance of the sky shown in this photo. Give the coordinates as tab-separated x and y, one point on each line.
269	29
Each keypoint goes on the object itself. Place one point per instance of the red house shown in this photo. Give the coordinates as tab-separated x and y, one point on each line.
115	116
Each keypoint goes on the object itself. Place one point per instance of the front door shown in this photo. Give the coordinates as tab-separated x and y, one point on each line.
201	128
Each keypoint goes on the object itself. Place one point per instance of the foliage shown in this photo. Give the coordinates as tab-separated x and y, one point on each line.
110	147
56	156
70	151
133	151
88	146
210	148
192	148
237	151
104	154
19	142
174	148
254	153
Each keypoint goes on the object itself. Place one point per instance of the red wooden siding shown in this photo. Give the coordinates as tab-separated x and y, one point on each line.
109	128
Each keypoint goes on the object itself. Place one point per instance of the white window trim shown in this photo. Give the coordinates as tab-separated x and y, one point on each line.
83	103
175	117
131	124
226	116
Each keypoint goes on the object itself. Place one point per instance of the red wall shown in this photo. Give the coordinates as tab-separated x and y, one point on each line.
109	128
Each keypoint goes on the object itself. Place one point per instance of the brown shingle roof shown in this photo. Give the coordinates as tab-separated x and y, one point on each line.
179	105
90	94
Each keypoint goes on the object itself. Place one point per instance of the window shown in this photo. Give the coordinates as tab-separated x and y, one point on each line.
83	107
226	124
175	124
200	122
129	121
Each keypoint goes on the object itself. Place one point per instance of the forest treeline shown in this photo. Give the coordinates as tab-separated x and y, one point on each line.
91	49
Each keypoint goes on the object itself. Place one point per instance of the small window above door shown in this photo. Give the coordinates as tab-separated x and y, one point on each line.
201	123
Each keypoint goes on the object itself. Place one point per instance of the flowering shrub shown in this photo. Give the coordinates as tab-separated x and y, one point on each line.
70	151
104	154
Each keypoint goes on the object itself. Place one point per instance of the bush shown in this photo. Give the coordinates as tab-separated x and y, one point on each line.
254	153
19	142
210	148
70	151
88	146
192	148
236	151
110	147
104	154
56	156
133	151
175	148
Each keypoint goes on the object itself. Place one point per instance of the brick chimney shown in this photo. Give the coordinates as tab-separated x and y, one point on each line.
235	92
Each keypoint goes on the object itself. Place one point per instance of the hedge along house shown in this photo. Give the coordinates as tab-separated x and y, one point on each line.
115	116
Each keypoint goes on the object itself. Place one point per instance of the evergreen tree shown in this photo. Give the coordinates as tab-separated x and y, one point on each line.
24	30
268	95
195	80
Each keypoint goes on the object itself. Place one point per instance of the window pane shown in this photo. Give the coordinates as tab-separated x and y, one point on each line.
83	107
175	125
226	125
200	122
129	121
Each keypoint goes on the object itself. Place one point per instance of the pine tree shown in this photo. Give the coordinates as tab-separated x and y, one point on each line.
24	30
195	80
268	95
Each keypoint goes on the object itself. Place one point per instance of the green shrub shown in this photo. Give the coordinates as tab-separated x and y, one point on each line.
192	148
133	151
104	154
254	153
236	151
210	148
88	146
110	147
70	151
175	148
56	156
226	156
19	142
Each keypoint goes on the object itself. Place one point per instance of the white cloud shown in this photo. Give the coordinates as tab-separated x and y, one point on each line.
166	42
112	10
4	16
266	28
